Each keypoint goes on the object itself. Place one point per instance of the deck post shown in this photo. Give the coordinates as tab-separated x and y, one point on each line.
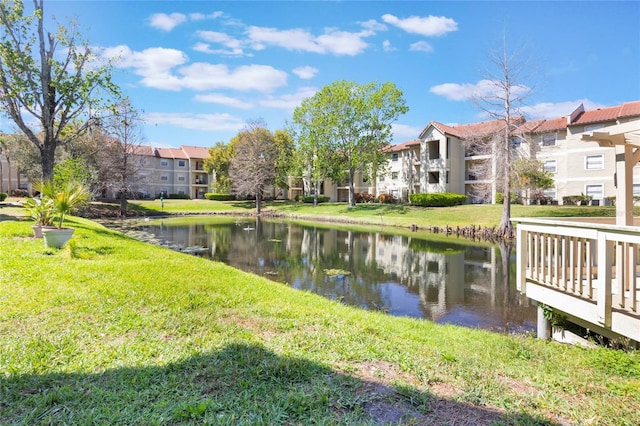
544	325
521	260
603	291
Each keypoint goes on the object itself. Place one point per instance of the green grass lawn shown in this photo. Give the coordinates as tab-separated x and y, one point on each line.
110	330
384	214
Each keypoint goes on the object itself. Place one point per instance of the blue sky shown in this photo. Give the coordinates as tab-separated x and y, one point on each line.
200	69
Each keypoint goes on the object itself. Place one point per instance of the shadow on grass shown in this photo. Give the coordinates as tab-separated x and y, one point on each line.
240	384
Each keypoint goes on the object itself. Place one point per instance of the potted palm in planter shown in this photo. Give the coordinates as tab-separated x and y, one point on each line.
41	211
64	201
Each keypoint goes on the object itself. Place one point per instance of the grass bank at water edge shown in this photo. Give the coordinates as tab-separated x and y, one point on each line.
110	330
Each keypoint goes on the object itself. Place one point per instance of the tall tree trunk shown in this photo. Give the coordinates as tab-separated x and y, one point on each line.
258	202
123	205
352	191
47	153
9	171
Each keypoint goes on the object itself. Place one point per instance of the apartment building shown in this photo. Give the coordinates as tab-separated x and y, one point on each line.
172	171
460	159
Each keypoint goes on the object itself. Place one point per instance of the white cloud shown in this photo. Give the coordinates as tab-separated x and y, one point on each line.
427	26
154	65
306	72
204	76
404	132
234	47
205	122
557	109
217	98
331	42
467	91
421	46
387	46
373	25
161	68
202	16
166	22
289	101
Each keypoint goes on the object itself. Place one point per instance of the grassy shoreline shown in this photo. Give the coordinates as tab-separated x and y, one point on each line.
110	330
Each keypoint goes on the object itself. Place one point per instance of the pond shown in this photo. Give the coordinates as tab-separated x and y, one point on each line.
445	280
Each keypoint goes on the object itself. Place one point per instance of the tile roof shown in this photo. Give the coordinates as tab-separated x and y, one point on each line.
475	129
402	146
171	153
600	115
544	125
195	151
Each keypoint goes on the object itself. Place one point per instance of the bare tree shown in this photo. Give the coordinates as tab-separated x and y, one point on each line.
253	166
50	79
504	95
121	155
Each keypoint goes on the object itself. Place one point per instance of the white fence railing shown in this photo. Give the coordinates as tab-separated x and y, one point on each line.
595	263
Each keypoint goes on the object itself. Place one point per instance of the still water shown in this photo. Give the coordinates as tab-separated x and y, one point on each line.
445	281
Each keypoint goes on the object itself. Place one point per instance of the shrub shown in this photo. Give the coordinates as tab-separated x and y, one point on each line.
576	199
19	192
387	199
437	199
179	196
309	199
363	197
219	197
3	196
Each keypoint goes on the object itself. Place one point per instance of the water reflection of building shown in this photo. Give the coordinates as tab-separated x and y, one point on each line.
442	281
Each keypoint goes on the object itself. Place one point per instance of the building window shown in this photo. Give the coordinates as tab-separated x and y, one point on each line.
381	179
549	140
550	166
181	163
595	191
164	163
394	157
515	142
181	191
550	193
164	177
394	175
594	162
434	177
181	178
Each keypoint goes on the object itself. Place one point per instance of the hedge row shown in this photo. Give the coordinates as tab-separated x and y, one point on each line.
438	199
219	197
309	199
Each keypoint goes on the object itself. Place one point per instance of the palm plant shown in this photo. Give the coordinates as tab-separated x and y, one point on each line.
40	210
65	199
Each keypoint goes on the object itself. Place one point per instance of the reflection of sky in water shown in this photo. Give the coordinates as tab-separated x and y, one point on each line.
402	302
443	281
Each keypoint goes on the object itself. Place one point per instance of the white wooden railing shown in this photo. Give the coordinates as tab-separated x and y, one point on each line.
587	270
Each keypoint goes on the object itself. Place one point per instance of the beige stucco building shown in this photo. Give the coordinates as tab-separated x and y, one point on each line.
448	158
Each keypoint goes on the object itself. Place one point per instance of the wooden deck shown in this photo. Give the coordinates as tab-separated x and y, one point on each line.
588	271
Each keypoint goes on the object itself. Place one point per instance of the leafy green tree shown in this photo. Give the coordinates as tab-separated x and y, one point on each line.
253	166
312	160
218	162
350	124
528	175
48	78
285	158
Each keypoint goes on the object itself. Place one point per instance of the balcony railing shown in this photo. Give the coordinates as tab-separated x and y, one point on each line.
589	271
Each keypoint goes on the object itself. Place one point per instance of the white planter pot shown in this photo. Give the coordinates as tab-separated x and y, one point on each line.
56	238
